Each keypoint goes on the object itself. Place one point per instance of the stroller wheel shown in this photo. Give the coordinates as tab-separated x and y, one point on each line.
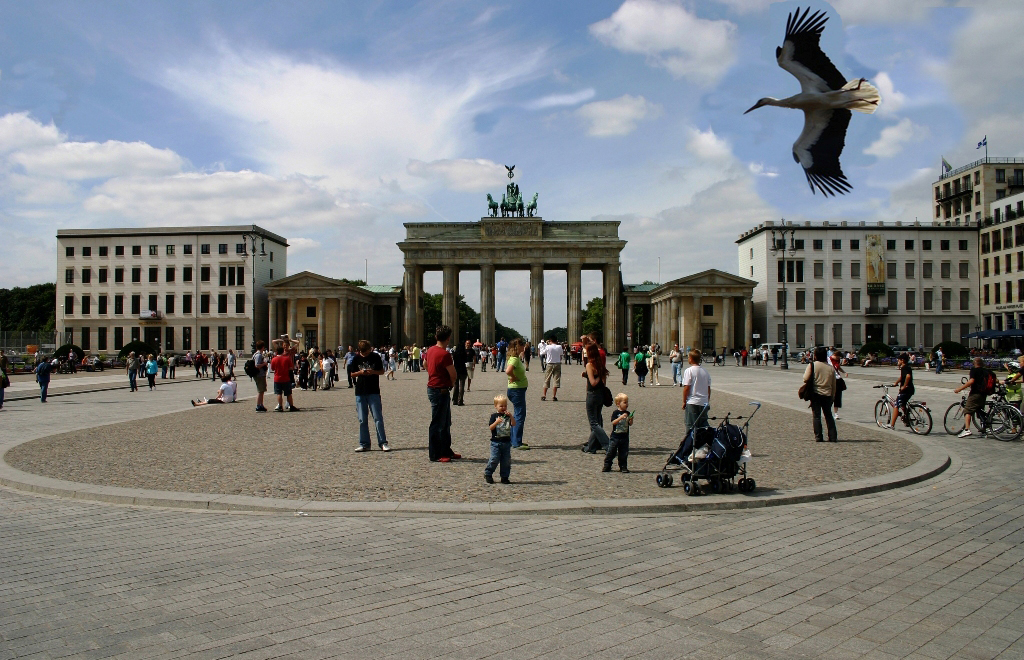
689	488
716	486
662	480
751	484
670	480
742	485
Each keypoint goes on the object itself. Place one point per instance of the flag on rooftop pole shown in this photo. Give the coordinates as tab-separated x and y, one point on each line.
983	143
946	167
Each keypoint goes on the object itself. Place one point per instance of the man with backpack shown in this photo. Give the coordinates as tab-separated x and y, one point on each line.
256	368
982	383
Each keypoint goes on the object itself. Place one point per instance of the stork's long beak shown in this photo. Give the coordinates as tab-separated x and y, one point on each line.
754	107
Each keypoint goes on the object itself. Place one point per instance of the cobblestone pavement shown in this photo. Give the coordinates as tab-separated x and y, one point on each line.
929	571
309	455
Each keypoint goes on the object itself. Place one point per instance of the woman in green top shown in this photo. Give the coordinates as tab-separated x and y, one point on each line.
517	384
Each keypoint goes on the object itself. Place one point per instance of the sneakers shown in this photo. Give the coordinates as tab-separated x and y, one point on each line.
965	433
606	468
523	447
294	409
278	409
624	470
361	449
543	398
505	481
385	447
835	416
554	398
488	478
192	402
261	409
456	456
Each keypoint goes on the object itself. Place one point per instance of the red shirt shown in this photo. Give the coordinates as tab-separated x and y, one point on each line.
282	366
438	361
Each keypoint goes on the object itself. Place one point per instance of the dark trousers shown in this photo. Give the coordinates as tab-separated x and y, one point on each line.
598	436
459	392
440	434
618	445
822	405
625	376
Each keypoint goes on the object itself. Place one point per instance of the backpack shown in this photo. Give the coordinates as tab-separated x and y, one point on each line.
989	384
250	368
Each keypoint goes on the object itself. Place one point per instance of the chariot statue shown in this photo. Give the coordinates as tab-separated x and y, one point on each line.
512	203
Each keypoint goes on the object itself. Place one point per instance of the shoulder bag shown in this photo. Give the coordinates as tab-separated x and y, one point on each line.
806	391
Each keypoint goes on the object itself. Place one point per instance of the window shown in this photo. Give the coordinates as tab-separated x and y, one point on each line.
984	295
908	269
151	303
819	270
136	304
69	251
818	244
118	275
1007	268
1020	289
69	305
311	312
104	251
87	252
751	253
136	333
204	338
222	337
911	334
239	248
890	244
204	303
801	334
890	270
801	300
169	339
837	269
926	270
101	305
205	249
272	272
231	277
944	270
926	245
798	244
170	251
1000	176
86	305
944	245
985	244
855	300
911	300
102	275
169	274
186	338
204	273
186	304
222	248
966	265
119	304
837	300
709	310
169	303
223	276
241	276
136	274
186	274
819	334
85	339
855	270
153	273
118	250
995	264
240	305
854	244
222	303
780	300
152	250
947	300
837	244
893	329
186	249
1009	292
928	295
239	337
908	245
272	254
1000	194
963	244
856	334
118	338
69	276
101	338
893	300
819	300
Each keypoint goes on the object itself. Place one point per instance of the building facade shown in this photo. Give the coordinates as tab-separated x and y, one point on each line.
850	283
176	288
1002	264
964	194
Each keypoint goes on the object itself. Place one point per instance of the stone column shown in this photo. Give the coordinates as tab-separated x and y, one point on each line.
698	315
630	330
350	327
727	333
271	320
418	278
612	342
342	322
293	317
409	291
673	322
321	322
393	339
748	322
486	304
574	302
681	311
536	303
450	301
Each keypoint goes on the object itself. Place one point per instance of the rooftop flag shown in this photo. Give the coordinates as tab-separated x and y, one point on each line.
946	167
983	143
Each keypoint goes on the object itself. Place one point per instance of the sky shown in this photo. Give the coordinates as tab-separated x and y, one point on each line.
333	123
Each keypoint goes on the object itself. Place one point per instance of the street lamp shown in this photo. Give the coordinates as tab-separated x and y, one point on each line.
779	246
249	239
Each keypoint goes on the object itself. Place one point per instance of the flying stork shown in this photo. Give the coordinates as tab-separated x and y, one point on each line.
826	98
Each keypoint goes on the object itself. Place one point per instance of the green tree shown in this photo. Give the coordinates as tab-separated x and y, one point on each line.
469	320
29	308
593	317
560	333
353	282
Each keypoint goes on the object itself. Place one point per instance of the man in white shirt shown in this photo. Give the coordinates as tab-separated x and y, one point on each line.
696	392
226	394
552	355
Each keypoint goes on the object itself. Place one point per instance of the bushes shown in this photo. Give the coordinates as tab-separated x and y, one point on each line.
141	348
952	350
63	351
878	347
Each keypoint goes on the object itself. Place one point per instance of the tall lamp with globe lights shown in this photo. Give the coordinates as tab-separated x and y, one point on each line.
249	239
780	248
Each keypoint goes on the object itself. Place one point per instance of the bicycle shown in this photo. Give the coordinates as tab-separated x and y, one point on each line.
998	418
917	416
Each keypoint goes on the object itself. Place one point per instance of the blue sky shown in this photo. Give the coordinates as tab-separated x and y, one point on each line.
333	123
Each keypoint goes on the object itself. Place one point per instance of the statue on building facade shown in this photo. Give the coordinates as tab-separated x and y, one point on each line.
512	203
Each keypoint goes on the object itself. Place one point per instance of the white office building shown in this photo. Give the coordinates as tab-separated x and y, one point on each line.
176	288
849	283
1002	264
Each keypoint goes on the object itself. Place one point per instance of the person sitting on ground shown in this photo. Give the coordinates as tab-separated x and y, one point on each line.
226	394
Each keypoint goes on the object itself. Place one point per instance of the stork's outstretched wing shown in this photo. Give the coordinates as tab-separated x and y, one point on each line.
818	149
801	55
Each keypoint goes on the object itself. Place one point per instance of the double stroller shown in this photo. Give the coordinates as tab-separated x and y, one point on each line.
714	455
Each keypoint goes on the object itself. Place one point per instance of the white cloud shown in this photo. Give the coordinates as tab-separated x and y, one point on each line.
856	12
19	131
708	146
671	37
758	169
617	116
96	160
747	6
894	138
557	100
463	174
296	245
892	100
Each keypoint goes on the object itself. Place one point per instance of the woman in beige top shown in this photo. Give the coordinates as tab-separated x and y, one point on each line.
824	391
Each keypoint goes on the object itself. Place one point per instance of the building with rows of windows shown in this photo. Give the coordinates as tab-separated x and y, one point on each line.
964	194
851	283
176	288
1002	264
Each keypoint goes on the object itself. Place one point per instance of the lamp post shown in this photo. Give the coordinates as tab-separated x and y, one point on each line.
249	239
779	246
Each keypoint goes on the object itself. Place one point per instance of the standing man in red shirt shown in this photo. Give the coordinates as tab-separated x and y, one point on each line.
282	367
440	378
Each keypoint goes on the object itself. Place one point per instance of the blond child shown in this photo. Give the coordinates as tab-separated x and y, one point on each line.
500	424
618	441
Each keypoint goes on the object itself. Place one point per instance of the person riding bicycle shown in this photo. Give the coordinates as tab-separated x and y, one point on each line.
977	380
1014	393
906	385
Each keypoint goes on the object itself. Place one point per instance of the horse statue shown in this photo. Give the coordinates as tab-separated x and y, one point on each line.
531	208
519	206
492	206
504	206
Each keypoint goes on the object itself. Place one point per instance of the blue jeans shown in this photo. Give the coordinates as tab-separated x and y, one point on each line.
439	441
370	403
131	380
517	397
677	373
43	386
500	363
938	366
2	390
598	437
501	453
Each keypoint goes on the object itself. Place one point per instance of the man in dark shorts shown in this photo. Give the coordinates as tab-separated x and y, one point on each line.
282	367
976	399
906	385
441	378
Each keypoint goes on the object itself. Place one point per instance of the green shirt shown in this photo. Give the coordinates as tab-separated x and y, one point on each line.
623	360
519	369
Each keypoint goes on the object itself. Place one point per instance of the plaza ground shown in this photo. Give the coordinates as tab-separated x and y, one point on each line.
931	570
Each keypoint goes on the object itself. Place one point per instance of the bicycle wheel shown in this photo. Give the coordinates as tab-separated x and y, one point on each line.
1011	423
883	413
919	418
953	420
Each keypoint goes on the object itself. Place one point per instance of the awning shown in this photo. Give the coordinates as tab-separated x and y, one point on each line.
995	334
